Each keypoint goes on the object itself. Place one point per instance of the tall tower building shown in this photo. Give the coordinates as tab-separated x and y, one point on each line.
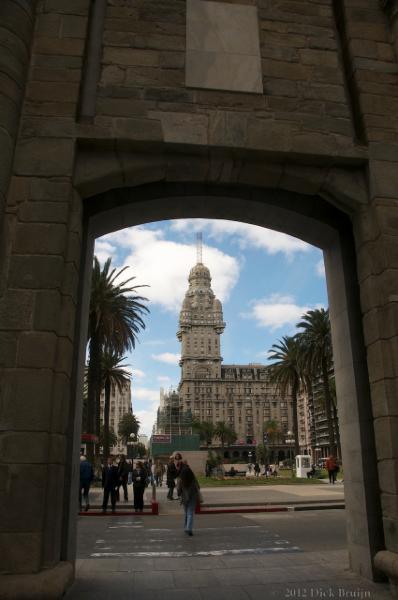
200	326
242	396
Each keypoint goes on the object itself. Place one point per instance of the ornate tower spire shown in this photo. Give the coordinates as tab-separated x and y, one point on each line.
199	244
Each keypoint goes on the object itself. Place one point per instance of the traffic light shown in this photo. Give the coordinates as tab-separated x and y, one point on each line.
265	438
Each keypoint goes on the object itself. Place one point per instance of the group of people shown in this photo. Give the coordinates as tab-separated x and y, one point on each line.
115	476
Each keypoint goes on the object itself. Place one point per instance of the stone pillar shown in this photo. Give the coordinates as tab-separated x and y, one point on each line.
43	225
391	8
377	248
16	28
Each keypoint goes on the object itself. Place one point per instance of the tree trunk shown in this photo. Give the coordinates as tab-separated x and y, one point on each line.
336	429
107	406
328	403
295	420
93	383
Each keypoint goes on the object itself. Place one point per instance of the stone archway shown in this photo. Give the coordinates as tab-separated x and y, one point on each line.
303	212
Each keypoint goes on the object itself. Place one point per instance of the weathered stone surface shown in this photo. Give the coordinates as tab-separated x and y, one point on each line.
16	309
44	156
40	238
21	552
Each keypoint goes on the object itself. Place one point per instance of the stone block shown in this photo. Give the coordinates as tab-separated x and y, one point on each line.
8	348
388	476
386	434
70	281
53	525
59	47
26	400
182	128
268	133
384	178
327	58
112	74
40	238
171	60
50	109
123	107
227	128
16	310
64	360
130	57
44	212
46	313
36	350
384	394
49	189
286	70
18	447
72	7
61	400
391	532
72	26
13	513
377	290
381	322
44	156
280	87
21	552
153	76
382	359
389	505
48	91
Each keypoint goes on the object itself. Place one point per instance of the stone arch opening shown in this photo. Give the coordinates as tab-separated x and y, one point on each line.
311	218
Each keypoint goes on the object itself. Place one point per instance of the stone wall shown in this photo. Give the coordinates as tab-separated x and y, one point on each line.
326	127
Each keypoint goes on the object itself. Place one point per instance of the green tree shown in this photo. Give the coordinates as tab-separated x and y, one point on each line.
225	434
112	437
205	429
113	374
128	424
262	453
286	373
273	429
317	356
115	319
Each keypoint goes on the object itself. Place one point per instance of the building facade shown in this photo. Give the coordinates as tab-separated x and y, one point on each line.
120	405
242	396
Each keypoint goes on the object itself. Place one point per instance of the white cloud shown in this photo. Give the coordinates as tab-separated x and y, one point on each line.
276	311
163	378
138	374
167	357
145	406
104	250
164	265
244	234
320	268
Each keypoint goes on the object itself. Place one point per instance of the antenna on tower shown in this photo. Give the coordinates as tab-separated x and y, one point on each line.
199	240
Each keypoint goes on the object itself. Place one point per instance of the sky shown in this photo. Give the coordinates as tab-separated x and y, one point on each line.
265	280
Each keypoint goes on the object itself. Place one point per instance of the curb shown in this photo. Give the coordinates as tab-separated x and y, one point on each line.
264	509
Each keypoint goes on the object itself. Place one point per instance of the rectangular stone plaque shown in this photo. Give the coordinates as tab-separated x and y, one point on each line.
223	48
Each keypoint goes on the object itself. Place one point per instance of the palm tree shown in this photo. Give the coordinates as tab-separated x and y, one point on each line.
128	425
115	318
286	373
113	374
316	341
225	434
205	429
273	429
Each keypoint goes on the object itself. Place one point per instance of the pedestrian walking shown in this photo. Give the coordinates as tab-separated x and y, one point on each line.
110	480
86	477
171	476
123	475
159	472
189	492
256	469
250	467
139	484
331	467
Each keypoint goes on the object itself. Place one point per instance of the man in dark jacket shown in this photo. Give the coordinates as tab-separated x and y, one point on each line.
86	477
123	473
171	475
110	480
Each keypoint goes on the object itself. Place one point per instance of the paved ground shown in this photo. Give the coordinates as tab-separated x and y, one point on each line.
224	496
232	557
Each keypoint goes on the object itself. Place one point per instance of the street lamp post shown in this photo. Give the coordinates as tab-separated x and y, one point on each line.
289	441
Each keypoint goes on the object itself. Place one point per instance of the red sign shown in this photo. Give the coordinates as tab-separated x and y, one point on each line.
161	438
89	437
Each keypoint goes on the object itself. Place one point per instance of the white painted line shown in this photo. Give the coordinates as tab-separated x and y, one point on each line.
203	553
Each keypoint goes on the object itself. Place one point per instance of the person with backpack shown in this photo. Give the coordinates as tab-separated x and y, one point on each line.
171	475
110	480
86	477
189	492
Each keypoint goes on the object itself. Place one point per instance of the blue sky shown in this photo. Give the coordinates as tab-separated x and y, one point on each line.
265	280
